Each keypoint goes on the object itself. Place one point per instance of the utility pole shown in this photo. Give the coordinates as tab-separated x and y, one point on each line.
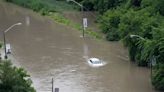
52	85
82	10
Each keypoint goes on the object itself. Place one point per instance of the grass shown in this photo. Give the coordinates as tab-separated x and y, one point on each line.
59	18
60	6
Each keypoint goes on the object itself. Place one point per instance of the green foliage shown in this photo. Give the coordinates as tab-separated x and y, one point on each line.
130	23
113	35
35	5
134	3
59	5
159	51
88	4
118	23
158	77
109	23
140	45
156	5
130	43
14	79
158	73
101	5
136	49
147	51
60	18
142	51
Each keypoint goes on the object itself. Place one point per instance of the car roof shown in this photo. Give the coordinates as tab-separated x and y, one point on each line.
94	59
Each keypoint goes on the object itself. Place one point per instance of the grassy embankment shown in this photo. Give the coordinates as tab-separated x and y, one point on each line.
54	9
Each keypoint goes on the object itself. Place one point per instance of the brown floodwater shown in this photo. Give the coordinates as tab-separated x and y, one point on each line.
50	50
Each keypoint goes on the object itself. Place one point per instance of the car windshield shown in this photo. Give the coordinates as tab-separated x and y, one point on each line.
95	62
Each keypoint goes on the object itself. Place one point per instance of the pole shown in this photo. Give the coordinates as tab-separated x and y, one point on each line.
82	19
5	37
5	45
52	85
81	11
151	70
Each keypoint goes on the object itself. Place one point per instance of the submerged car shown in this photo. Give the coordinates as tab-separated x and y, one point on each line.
95	62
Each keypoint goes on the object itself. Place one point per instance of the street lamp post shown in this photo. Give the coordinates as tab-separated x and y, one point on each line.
137	36
81	11
5	37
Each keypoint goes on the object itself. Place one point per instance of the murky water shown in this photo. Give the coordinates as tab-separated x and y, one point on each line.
49	50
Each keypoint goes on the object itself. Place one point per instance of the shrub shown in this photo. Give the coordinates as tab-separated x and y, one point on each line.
109	24
158	77
14	79
132	48
88	5
130	23
113	35
35	5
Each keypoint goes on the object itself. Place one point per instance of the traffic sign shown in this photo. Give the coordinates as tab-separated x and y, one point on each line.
85	23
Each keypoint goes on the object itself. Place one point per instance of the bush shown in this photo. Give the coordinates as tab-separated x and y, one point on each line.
35	5
88	5
130	23
132	48
138	51
140	44
109	24
158	77
14	79
113	35
157	5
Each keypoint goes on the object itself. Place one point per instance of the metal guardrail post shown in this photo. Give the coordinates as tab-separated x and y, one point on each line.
52	85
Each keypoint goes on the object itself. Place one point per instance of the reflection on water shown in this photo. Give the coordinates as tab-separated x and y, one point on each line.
86	52
27	21
48	50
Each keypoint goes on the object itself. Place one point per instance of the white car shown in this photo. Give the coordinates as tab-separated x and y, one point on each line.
95	62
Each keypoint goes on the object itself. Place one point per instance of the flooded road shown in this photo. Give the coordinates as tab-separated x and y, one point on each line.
49	50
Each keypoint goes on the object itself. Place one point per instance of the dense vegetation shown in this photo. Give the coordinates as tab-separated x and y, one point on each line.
14	79
42	6
138	23
35	5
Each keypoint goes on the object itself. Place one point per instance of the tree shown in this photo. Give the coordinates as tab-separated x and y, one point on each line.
101	5
109	23
157	6
14	79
